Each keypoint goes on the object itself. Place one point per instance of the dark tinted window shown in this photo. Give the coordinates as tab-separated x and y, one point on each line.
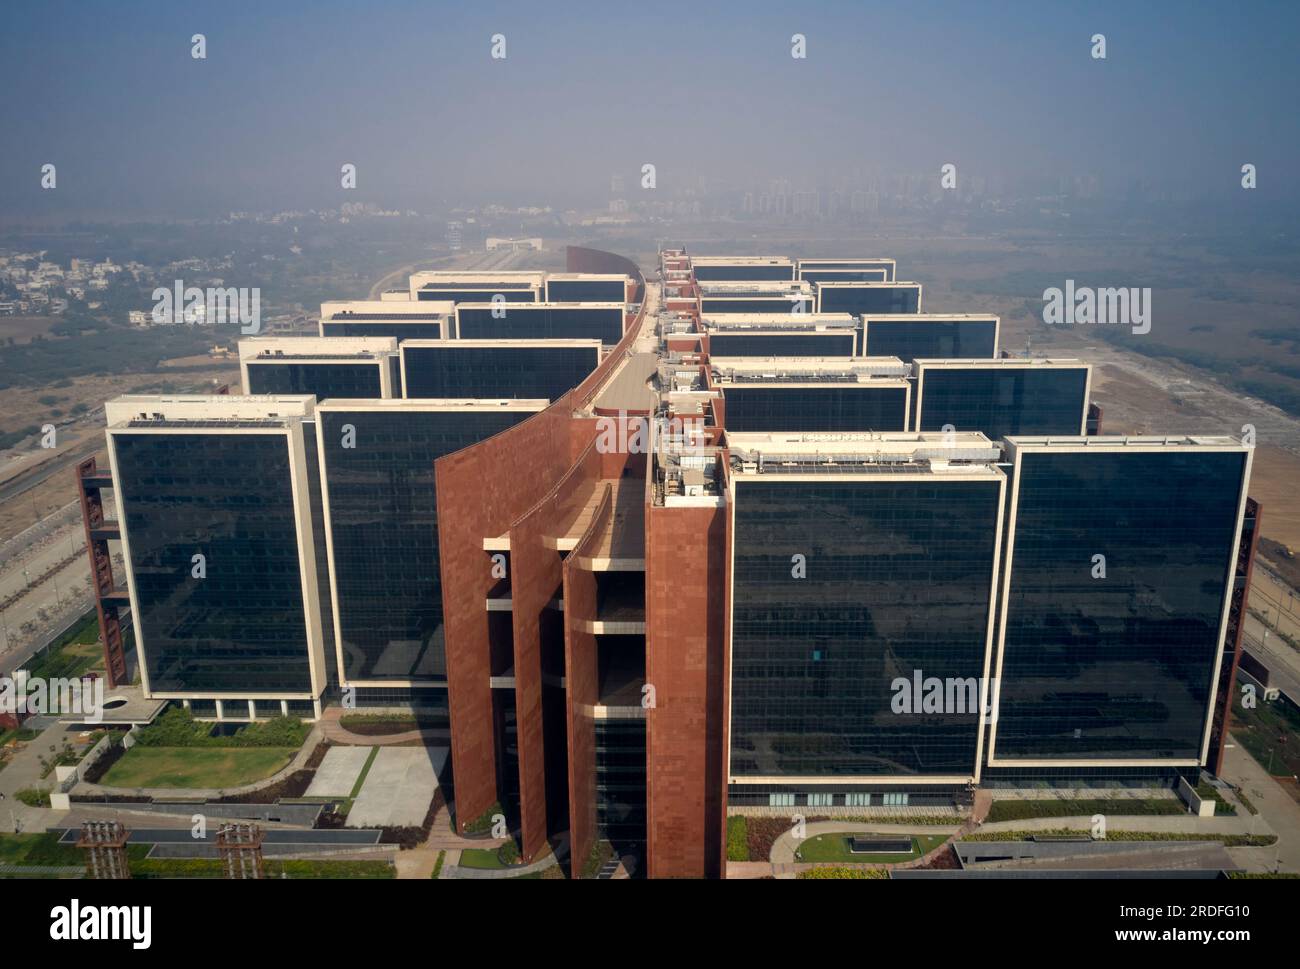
849	407
898	581
393	328
1000	401
460	294
528	372
870	299
910	340
349	380
586	291
228	497
740	304
542	323
384	524
743	273
782	345
1120	666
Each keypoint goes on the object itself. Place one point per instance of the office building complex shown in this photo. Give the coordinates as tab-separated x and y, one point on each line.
361	367
863	275
398	319
860	298
746	269
718	298
496	368
778	335
1121	555
541	321
912	336
658	558
1011	395
828	612
808	394
805	267
586	288
477	287
219	507
381	528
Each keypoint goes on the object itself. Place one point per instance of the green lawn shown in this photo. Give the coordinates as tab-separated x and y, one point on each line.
1019	810
485	858
77	653
272	868
196	766
1270	732
38	849
835	847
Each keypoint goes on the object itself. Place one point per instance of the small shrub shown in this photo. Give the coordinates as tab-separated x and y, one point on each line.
483	823
844	872
33	797
737	838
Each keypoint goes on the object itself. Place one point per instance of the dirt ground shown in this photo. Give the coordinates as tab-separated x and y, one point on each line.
55	492
23	328
1275	484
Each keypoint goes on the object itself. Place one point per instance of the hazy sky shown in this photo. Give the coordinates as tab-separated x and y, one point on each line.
290	91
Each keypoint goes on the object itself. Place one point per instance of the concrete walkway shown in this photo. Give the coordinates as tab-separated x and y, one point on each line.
338	773
23	772
783	863
1278	813
1176	823
398	788
419	862
451	867
783	856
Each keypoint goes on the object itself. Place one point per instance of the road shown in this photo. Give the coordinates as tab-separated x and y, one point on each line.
44	582
1282	661
30	470
473	262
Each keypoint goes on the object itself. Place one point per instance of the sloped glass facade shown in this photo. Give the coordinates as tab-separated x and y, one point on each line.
782	345
239	629
347	380
449	370
431	330
542	323
1116	666
757	304
510	292
1000	401
910	340
586	290
844	407
384	528
725	273
869	299
897	585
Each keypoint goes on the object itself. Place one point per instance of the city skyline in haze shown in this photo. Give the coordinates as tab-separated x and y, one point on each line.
412	95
